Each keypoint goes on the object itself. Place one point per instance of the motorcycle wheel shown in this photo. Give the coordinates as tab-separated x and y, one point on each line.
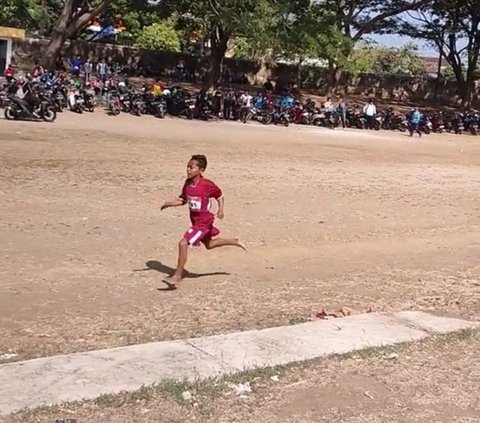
317	122
267	119
9	115
49	114
189	114
285	122
161	113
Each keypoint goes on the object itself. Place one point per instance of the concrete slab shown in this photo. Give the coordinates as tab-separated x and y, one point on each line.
283	345
434	324
51	380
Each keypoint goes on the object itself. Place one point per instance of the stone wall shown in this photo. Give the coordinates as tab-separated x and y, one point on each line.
388	87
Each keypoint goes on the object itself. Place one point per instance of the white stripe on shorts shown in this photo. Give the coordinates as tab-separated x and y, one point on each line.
195	238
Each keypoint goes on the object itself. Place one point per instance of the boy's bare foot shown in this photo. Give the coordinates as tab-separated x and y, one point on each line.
241	245
172	281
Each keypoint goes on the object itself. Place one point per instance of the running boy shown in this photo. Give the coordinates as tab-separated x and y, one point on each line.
197	193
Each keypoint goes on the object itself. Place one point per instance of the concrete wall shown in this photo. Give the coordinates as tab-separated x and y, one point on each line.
388	87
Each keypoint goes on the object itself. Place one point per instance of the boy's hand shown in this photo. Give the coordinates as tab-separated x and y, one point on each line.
220	214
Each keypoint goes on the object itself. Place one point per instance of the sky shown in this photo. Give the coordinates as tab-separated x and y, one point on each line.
393	40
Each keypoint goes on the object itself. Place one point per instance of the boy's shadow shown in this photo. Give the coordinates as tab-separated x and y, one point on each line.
167	270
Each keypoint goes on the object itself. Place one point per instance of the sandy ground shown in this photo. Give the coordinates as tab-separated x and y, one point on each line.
331	218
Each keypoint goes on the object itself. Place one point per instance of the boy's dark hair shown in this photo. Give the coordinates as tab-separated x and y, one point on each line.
201	160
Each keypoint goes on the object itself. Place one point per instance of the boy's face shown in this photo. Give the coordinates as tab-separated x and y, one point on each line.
193	170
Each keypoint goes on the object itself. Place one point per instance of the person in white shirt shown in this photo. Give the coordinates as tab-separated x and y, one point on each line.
370	111
88	69
245	101
328	105
102	70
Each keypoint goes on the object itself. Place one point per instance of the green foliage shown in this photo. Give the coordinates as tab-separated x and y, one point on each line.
372	59
159	36
133	15
243	48
453	27
27	14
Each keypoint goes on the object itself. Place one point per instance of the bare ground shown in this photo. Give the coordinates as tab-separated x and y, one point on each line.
432	381
332	219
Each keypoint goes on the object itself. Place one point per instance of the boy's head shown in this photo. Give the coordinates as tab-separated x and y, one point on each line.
196	166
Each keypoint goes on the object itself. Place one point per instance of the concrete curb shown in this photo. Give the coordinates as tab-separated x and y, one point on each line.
52	380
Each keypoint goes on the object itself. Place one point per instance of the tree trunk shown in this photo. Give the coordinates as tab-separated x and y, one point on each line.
466	88
59	35
333	76
219	42
67	27
299	74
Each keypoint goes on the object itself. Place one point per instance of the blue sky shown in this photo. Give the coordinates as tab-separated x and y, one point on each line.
393	40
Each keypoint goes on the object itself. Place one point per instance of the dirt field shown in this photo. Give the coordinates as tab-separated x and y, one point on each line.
331	218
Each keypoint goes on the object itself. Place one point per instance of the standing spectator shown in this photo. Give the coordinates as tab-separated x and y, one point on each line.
228	103
180	70
342	111
245	101
75	66
37	70
102	70
370	111
328	104
414	122
88	69
192	68
217	101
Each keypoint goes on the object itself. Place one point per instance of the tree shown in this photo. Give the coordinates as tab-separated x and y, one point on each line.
159	36
357	18
219	21
74	16
28	14
132	16
453	27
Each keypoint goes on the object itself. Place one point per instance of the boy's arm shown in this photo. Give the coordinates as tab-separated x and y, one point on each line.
174	203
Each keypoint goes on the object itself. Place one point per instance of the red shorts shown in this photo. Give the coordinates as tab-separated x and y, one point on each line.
197	234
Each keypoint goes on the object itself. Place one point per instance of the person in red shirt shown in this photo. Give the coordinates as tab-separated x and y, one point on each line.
198	193
9	72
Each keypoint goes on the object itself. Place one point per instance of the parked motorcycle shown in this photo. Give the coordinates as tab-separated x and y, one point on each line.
19	109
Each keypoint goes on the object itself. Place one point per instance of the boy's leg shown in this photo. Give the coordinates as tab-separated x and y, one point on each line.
182	261
224	242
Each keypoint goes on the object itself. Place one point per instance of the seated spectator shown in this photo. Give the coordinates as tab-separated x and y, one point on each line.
37	70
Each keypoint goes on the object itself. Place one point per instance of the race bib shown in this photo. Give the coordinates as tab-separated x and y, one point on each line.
194	203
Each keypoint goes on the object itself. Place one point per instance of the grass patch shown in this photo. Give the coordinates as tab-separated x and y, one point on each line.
297	320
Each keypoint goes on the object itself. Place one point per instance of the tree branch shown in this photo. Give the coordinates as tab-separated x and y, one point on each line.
367	26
